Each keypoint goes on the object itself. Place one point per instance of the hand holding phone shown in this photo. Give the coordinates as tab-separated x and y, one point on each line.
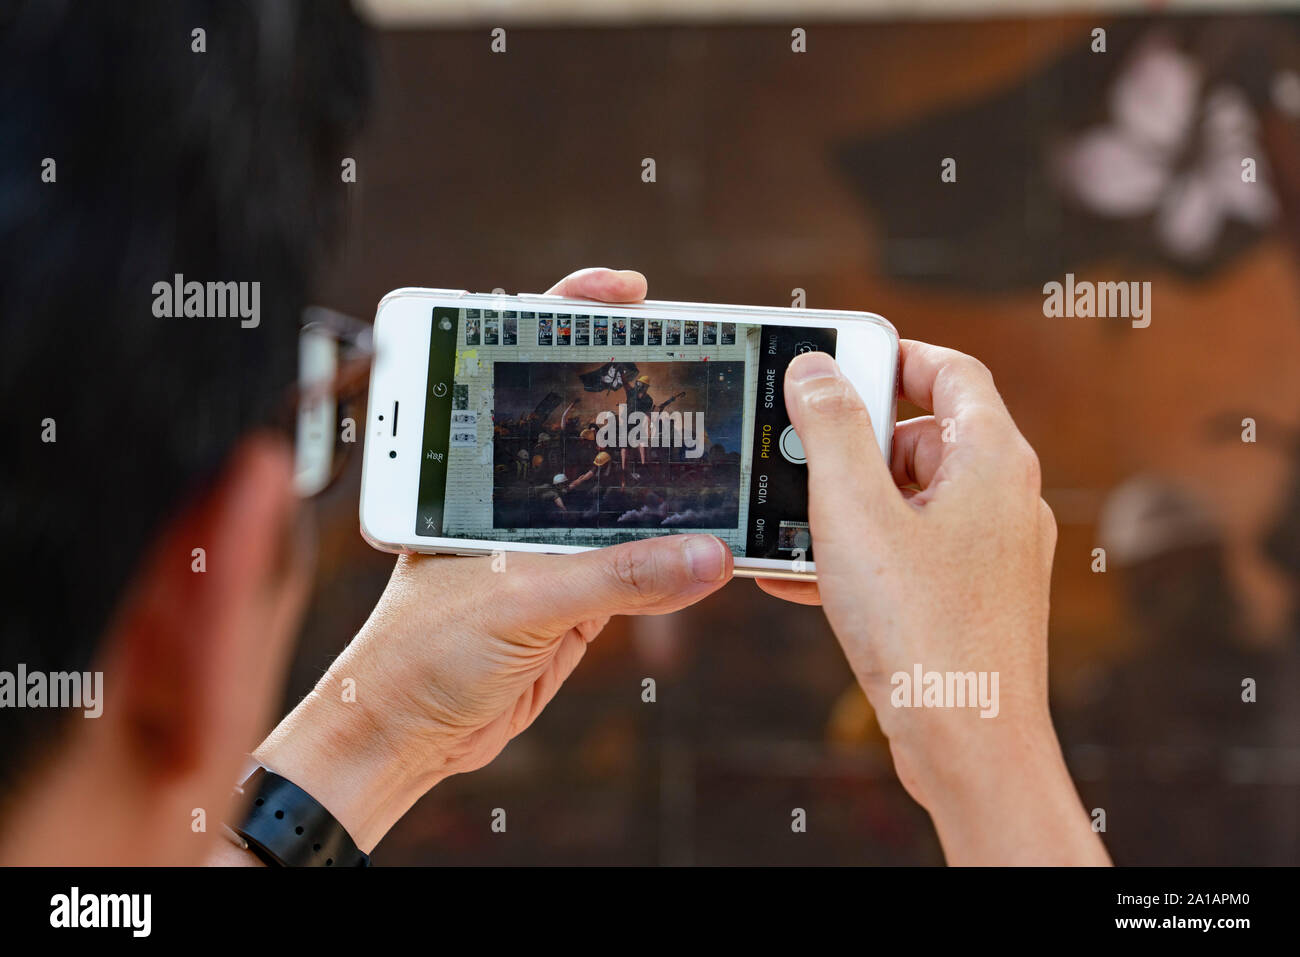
462	654
938	563
551	425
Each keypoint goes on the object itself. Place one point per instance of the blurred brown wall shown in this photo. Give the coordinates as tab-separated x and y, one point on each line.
483	171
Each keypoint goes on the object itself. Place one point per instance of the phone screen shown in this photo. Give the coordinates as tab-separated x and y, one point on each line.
590	429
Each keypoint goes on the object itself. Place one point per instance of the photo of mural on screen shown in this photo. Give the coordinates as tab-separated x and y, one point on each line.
617	445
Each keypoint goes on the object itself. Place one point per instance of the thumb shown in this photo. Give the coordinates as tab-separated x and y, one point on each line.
852	499
648	577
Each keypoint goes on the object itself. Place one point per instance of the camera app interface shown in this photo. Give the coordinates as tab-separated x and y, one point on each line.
588	429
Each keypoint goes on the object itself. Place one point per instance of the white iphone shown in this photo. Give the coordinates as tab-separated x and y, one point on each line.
544	424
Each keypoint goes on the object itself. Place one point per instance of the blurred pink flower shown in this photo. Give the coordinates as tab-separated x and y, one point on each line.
1170	153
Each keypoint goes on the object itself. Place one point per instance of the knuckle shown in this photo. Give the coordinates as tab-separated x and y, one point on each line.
973	367
1031	469
1046	516
1047	531
961	367
633	568
930	445
1047	521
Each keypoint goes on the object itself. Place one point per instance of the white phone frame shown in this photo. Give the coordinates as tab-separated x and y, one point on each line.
866	349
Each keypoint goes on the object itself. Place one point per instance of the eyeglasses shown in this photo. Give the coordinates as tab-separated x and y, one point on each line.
335	352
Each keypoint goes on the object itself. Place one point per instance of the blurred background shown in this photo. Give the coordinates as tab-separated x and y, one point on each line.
780	170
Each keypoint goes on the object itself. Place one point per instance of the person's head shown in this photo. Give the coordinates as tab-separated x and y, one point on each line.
149	526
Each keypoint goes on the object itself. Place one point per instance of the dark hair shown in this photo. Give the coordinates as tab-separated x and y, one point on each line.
221	165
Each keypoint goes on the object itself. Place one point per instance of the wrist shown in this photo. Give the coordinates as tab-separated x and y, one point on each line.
365	771
1006	799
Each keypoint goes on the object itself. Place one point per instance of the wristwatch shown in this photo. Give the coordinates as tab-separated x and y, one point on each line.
287	827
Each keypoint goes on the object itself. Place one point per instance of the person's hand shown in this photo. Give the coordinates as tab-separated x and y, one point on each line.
462	654
950	575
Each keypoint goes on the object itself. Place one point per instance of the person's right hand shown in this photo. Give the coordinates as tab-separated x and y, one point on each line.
952	575
460	655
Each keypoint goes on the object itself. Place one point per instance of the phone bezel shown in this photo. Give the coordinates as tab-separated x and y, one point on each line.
866	349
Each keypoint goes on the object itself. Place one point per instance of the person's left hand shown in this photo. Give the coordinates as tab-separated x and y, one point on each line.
462	654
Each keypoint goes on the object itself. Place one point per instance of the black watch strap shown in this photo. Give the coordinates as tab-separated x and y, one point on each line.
287	827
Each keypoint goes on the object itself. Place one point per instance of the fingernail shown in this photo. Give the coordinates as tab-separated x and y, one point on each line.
812	365
706	558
